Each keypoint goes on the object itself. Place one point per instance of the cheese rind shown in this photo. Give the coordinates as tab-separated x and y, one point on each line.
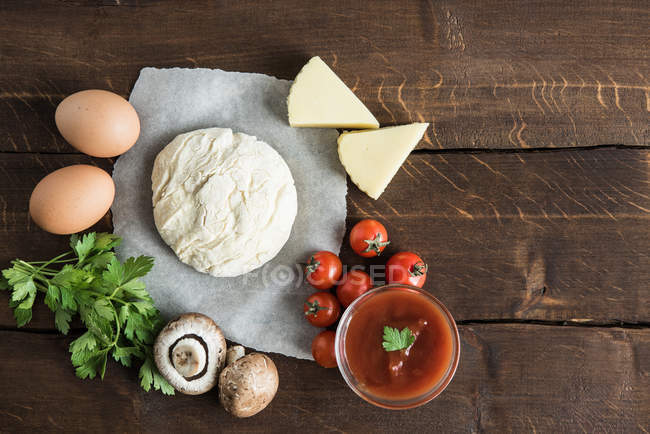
319	98
224	202
373	157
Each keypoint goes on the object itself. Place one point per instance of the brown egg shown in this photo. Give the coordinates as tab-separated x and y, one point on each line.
98	122
71	199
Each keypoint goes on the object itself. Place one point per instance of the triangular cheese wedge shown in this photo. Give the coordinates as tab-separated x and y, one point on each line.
373	157
319	98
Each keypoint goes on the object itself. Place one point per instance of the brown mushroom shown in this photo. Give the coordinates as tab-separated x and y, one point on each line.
248	384
190	352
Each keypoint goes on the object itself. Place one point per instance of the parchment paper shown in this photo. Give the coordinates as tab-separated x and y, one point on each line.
261	309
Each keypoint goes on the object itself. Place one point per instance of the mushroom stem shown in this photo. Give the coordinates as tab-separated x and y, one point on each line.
189	355
234	353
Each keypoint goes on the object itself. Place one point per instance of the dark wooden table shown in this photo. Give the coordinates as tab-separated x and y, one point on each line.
529	197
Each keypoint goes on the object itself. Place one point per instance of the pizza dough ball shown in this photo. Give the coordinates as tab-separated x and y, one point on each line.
224	202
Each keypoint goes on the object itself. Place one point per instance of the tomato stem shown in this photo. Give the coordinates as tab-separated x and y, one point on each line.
313	308
419	269
312	265
376	244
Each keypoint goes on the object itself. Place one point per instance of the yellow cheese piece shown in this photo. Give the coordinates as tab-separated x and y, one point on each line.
373	157
318	98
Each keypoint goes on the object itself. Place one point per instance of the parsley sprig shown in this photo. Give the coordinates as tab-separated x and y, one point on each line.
108	296
395	340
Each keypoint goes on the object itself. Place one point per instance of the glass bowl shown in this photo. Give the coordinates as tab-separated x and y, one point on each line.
346	372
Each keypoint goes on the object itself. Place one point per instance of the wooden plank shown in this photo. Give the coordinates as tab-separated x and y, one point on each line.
553	236
550	74
519	378
558	236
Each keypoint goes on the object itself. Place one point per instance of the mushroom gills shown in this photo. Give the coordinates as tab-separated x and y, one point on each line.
190	352
189	356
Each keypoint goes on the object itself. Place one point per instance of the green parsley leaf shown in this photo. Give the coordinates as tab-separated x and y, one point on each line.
146	375
99	326
149	376
62	318
71	277
23	316
137	267
395	340
136	289
74	239
83	246
23	289
81	357
90	367
114	272
133	321
67	298
123	315
15	275
28	302
4	283
101	260
52	297
124	354
159	383
104	308
144	307
102	369
84	342
105	241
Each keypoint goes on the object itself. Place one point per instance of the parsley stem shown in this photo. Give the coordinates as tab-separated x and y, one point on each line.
27	267
117	323
99	294
53	262
40	286
115	292
61	256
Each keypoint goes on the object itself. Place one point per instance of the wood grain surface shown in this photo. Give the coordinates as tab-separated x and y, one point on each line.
542	254
552	236
486	75
600	383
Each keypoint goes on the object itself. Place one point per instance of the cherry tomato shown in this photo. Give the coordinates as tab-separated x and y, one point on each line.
352	285
322	309
368	238
323	270
322	348
406	268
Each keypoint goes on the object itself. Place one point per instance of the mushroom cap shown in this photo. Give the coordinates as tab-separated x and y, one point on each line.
189	352
248	385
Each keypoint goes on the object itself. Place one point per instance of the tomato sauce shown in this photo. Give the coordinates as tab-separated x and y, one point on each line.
402	374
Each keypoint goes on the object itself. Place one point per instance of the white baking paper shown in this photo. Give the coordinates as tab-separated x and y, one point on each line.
262	309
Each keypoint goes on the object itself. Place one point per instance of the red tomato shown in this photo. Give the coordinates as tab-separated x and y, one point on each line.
368	238
322	348
322	309
353	284
323	270
406	268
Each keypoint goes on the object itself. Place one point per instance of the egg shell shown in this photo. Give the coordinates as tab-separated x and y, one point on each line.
71	199
98	122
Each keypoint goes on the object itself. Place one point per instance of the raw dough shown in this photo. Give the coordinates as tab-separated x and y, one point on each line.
225	203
